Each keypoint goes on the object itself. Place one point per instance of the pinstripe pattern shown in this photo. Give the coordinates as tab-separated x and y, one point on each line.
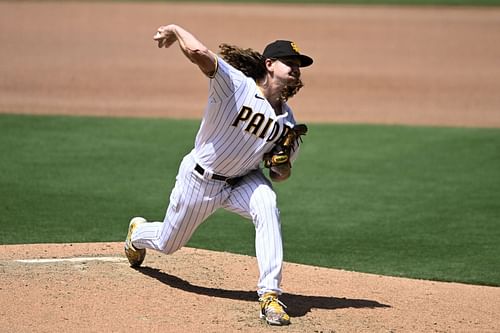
194	199
237	150
238	127
255	198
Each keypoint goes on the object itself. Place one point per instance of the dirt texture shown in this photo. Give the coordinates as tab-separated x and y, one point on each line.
428	66
419	66
196	290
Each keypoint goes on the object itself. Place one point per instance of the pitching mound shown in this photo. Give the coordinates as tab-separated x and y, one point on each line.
90	287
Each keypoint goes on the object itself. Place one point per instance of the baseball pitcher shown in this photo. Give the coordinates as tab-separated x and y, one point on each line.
247	128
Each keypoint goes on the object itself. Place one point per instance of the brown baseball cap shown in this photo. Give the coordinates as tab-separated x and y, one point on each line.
286	49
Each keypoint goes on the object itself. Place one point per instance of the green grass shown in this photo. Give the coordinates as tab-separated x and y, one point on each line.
404	201
79	179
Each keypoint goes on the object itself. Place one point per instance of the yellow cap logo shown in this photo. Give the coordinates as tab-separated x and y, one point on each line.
294	47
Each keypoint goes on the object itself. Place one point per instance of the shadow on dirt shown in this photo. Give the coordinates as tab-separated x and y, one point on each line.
298	305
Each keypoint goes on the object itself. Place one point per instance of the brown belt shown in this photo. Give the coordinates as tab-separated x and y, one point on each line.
230	180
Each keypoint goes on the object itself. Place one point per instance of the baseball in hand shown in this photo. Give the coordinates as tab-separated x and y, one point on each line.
165	36
158	35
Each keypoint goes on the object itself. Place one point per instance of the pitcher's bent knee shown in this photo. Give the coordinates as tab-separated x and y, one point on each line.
263	204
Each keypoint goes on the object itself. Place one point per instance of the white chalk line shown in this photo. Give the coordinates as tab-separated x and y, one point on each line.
77	259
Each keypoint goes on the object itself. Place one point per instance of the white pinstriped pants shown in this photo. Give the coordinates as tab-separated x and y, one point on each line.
194	199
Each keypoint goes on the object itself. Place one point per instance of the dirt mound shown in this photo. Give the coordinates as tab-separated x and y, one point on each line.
91	288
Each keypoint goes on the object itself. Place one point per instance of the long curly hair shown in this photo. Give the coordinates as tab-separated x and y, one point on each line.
252	64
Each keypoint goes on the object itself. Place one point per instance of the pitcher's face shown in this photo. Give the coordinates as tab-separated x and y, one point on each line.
288	69
285	70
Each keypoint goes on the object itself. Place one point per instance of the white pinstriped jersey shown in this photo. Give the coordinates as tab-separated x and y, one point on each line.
238	126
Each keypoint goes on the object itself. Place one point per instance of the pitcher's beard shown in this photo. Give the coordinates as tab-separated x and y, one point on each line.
291	89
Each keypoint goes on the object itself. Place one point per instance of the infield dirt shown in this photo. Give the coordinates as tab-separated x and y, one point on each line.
419	66
196	290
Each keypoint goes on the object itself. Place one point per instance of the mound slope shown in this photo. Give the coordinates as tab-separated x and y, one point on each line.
197	290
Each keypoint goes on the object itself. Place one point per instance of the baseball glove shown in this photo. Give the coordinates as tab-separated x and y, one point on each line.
278	159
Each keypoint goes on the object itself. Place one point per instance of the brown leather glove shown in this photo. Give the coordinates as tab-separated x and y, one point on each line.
278	159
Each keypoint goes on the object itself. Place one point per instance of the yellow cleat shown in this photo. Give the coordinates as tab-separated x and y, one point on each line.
271	310
135	256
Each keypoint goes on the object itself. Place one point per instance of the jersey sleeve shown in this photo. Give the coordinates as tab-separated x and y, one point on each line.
225	81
